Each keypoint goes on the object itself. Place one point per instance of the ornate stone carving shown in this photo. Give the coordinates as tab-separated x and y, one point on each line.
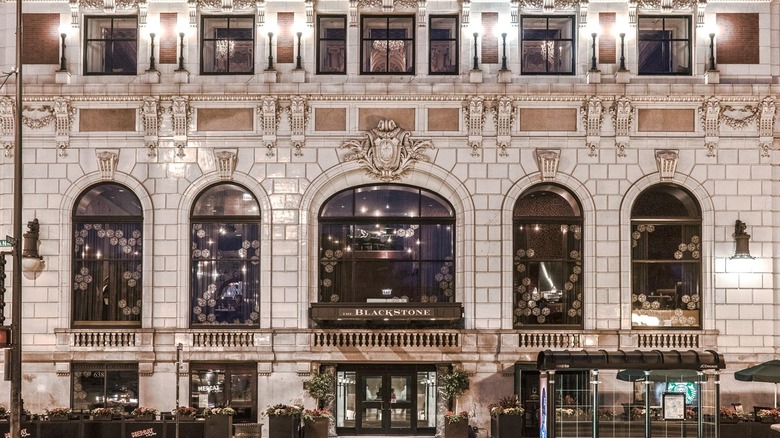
666	161
514	12
309	12
422	12
504	116
142	11
37	117
150	118
7	125
547	160
226	164
181	114
465	9
63	113
269	122
383	5
739	118
106	162
592	113
387	152
622	113
474	118
709	116
299	116
192	10
74	13
766	124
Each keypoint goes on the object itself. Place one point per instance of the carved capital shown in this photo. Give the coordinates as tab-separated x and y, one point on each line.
7	124
181	115
503	116
64	114
474	118
151	114
269	122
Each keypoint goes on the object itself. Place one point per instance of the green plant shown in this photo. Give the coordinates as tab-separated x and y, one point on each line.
280	410
58	412
102	411
227	410
509	405
456	417
184	411
320	387
142	411
3	411
313	414
454	384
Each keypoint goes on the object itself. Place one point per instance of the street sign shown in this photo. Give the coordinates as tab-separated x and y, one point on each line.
8	242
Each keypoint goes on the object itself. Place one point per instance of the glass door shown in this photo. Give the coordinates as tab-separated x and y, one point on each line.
388	403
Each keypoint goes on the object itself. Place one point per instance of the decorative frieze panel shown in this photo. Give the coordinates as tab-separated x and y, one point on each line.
474	118
766	124
106	163
63	122
666	161
150	118
547	160
226	164
622	112
636	6
7	125
299	112
384	6
592	113
269	123
504	115
549	6
181	115
387	152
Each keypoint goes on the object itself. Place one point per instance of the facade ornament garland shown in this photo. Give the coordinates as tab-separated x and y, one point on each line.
299	113
474	118
40	118
503	116
7	125
226	163
666	161
387	152
710	114
547	160
766	124
150	118
741	118
63	122
592	113
269	123
107	162
622	112
181	115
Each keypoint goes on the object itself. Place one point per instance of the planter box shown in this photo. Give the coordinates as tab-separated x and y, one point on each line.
456	430
284	426
318	428
219	426
504	426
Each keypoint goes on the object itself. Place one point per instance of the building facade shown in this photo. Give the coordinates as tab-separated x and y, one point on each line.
233	196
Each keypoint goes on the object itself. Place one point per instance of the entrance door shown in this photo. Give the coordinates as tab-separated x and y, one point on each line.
387	406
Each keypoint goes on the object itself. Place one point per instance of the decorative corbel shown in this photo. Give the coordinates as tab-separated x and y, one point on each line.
150	117
180	117
766	124
633	7
465	7
74	13
63	121
666	161
142	8
7	125
514	12
299	116
592	113
709	116
622	113
309	12
583	7
474	115
353	13
192	9
547	160
701	7
107	162
503	116
422	13
269	123
226	164
260	7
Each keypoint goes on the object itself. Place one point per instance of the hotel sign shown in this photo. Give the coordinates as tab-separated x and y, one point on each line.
386	312
368	313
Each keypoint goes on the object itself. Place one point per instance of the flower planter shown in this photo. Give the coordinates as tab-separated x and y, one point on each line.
59	418
284	426
316	428
106	417
219	426
458	429
144	418
185	418
503	426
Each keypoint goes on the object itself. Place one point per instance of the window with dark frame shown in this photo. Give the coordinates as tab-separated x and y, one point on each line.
331	44
104	385
227	45
225	384
547	45
107	257
547	248
664	45
443	53
387	44
111	45
387	243
666	259
225	255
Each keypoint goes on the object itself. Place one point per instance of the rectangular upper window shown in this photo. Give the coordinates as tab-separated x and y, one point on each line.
664	45
547	45
228	45
332	44
387	44
111	45
444	46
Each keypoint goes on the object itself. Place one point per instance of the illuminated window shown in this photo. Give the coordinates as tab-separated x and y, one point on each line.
225	384
387	44
105	385
111	45
664	45
444	46
332	44
547	45
228	45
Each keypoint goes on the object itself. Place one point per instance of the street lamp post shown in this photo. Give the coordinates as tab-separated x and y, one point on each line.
622	51
270	50
476	55
593	58
712	51
63	67
151	56
503	51
181	51
298	58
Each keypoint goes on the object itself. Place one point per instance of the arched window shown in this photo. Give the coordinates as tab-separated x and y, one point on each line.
666	258
225	254
547	244
107	249
387	242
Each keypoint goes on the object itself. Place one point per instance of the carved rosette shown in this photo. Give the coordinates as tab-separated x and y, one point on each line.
387	152
547	160
766	124
474	117
503	116
592	113
150	118
181	114
226	164
106	163
622	113
299	116
269	122
666	161
7	125
63	121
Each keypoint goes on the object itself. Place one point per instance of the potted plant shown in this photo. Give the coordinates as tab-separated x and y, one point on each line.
728	415
184	413
316	423
143	413
102	413
58	414
768	415
3	412
284	421
506	416
454	384
456	424
219	422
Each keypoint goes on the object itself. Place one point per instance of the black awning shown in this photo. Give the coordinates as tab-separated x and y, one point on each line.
617	360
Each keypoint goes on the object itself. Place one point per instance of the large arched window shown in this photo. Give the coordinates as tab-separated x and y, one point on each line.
225	254
107	244
387	243
547	244
666	258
